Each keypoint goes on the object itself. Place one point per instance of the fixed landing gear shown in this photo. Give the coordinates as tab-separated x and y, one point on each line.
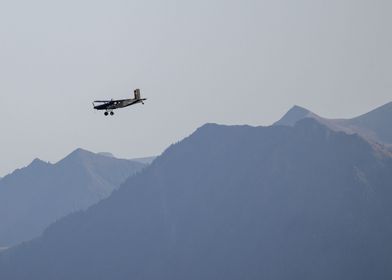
107	113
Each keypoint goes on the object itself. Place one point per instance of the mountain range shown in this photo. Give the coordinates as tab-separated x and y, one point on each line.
297	200
33	197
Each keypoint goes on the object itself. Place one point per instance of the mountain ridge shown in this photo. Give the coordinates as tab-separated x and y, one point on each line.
373	126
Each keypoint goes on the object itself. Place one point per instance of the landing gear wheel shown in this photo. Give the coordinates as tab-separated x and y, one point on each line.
106	113
111	113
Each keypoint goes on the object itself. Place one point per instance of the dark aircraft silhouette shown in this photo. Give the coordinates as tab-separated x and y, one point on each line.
110	105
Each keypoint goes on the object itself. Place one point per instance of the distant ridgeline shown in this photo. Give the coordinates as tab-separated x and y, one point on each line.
33	197
374	126
302	199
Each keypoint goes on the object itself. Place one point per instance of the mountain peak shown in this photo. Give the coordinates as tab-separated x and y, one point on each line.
79	156
208	126
37	163
205	128
295	114
297	108
79	153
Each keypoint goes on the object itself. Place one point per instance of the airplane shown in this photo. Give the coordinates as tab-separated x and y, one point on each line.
110	105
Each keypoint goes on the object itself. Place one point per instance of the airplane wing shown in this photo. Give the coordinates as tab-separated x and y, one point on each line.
120	100
102	101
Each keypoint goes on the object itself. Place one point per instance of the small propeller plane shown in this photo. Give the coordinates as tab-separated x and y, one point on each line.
110	105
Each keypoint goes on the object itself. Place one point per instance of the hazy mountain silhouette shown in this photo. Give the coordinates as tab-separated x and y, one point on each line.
294	115
37	195
232	202
145	160
374	126
106	154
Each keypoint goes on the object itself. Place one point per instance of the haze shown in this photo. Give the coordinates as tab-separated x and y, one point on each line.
230	62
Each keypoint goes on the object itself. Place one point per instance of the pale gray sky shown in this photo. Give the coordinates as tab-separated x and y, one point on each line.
230	62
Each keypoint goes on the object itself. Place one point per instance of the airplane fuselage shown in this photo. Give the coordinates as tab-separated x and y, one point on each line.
116	104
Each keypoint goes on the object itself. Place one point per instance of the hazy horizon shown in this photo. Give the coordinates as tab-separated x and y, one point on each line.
217	61
117	156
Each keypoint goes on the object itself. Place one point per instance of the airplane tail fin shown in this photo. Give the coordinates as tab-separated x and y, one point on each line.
137	93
